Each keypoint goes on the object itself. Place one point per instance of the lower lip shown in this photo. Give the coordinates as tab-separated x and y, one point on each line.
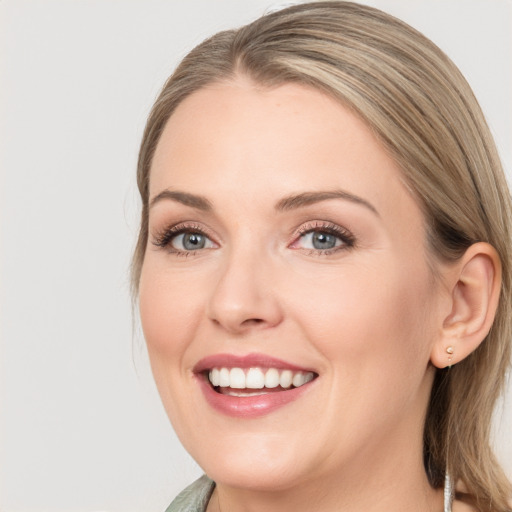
250	406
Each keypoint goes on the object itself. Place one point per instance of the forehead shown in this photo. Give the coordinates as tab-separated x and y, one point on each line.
260	142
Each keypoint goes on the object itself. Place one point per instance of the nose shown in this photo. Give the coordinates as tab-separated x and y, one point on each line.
243	297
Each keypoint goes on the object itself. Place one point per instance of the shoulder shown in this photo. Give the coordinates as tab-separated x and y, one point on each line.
194	498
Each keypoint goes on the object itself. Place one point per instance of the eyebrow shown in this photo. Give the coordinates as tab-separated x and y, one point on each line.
192	200
308	198
287	203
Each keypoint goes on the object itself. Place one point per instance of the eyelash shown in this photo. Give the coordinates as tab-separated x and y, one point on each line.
164	237
347	238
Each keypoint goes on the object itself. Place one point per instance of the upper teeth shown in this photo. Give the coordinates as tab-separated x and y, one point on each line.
257	378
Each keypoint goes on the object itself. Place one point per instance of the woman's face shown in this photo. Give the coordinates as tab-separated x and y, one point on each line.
284	247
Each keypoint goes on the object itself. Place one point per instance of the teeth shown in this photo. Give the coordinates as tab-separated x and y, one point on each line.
215	377
254	379
308	377
272	378
298	379
286	379
257	378
244	394
237	378
224	378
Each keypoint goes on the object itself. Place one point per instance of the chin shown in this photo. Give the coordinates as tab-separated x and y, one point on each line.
254	463
253	475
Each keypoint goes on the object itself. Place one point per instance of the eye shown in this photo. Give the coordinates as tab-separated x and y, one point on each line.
190	241
183	239
320	240
323	238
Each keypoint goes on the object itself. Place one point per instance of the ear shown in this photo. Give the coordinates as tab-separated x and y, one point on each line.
474	283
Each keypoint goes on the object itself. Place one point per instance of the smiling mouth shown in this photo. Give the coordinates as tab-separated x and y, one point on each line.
246	382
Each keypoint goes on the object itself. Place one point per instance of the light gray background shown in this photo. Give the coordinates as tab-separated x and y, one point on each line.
81	426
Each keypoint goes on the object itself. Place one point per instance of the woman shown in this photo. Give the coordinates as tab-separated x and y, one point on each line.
323	268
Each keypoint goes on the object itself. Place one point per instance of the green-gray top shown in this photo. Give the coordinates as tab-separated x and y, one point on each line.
194	498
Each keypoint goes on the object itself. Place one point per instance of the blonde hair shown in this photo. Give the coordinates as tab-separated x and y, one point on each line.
424	112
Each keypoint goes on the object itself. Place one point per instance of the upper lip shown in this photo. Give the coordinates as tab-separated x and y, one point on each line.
253	360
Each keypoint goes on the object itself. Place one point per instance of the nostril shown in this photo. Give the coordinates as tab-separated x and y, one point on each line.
252	321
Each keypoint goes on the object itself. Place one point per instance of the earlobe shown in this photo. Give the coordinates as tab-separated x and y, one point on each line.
475	283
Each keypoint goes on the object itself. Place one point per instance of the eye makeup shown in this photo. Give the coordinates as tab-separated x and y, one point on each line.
315	238
342	237
164	238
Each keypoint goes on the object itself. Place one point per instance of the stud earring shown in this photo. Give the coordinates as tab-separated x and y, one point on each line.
450	351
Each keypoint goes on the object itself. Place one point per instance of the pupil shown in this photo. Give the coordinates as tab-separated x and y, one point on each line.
193	241
323	240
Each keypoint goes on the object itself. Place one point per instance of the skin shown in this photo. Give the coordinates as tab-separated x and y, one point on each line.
366	317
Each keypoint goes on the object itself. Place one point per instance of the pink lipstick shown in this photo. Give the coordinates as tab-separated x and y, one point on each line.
252	385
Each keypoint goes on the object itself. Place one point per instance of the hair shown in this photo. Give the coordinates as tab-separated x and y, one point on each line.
423	111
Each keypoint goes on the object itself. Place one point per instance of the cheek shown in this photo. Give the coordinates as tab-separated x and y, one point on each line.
372	317
168	314
370	327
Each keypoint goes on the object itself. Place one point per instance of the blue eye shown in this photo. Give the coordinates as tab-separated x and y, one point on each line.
323	238
183	239
320	240
190	241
